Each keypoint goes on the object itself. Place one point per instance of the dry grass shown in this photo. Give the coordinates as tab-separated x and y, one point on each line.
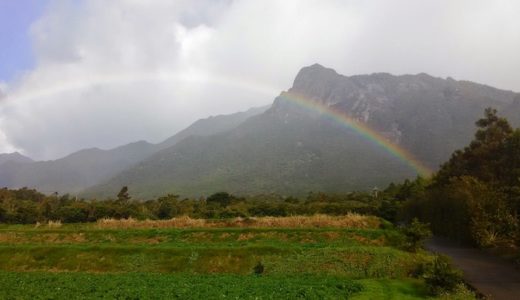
50	224
315	221
54	224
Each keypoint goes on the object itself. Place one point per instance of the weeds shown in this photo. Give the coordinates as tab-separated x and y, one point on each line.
316	221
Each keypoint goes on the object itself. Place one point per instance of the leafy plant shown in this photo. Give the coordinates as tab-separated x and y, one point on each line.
416	233
440	276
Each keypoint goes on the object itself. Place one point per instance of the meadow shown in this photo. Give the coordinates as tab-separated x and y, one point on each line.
317	257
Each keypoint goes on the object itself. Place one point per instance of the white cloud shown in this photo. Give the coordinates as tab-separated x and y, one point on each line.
112	72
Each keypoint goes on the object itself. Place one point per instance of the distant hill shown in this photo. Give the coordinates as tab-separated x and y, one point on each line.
88	167
212	125
14	157
292	150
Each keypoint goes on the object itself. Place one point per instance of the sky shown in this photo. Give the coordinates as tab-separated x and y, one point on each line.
77	74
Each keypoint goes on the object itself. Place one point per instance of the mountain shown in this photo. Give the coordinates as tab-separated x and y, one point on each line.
75	171
88	167
14	157
298	146
213	125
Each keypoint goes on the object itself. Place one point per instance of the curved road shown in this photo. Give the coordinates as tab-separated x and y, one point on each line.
492	276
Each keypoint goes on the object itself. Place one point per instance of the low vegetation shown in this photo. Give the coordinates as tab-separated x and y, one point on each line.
329	258
173	286
350	220
440	276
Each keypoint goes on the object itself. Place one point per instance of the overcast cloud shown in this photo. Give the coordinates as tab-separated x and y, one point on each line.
111	72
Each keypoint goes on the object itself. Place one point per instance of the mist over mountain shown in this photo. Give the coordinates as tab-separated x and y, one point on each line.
14	157
212	125
88	167
292	150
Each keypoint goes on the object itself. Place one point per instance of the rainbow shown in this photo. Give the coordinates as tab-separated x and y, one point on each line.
187	77
359	127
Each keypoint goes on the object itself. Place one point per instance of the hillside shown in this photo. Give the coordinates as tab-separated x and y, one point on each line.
292	150
88	167
14	157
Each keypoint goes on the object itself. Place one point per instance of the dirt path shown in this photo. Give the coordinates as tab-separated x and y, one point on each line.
492	276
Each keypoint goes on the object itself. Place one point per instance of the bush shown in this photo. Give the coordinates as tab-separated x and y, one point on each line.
258	269
416	233
440	276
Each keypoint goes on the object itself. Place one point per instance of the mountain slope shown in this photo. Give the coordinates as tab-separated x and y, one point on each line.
76	171
88	167
14	157
212	125
262	156
292	150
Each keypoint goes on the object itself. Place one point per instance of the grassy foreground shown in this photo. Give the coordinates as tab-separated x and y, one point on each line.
355	260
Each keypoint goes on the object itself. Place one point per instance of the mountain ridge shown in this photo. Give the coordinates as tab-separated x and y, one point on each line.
14	157
87	167
292	150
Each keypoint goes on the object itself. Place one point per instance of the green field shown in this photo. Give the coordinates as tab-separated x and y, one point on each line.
85	261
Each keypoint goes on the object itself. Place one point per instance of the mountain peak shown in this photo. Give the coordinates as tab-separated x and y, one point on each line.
14	157
313	73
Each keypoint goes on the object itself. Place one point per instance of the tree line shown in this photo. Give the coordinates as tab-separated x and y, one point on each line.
475	195
27	206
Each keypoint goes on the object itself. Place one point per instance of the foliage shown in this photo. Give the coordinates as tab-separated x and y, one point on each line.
173	286
416	234
25	206
477	192
123	195
440	276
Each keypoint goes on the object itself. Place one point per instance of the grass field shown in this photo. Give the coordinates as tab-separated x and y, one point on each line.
358	261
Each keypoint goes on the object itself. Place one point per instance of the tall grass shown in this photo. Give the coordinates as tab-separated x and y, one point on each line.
347	221
50	224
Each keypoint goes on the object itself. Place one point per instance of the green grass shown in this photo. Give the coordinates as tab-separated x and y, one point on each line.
82	261
354	262
202	237
192	286
356	253
403	289
172	286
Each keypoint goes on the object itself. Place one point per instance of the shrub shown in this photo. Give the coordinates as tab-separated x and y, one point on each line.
440	276
259	268
416	233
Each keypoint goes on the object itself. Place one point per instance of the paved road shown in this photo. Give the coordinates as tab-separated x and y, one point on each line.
492	276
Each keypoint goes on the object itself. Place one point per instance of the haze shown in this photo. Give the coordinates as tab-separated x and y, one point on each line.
79	74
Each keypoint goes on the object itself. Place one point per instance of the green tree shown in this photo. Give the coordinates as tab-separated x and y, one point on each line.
481	159
416	234
123	195
221	198
477	192
440	276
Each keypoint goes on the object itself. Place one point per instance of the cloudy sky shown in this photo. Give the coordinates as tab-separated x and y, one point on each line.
97	73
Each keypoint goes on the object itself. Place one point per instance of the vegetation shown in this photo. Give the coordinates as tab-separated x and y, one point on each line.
87	260
346	221
416	234
25	206
440	276
268	246
173	286
475	196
